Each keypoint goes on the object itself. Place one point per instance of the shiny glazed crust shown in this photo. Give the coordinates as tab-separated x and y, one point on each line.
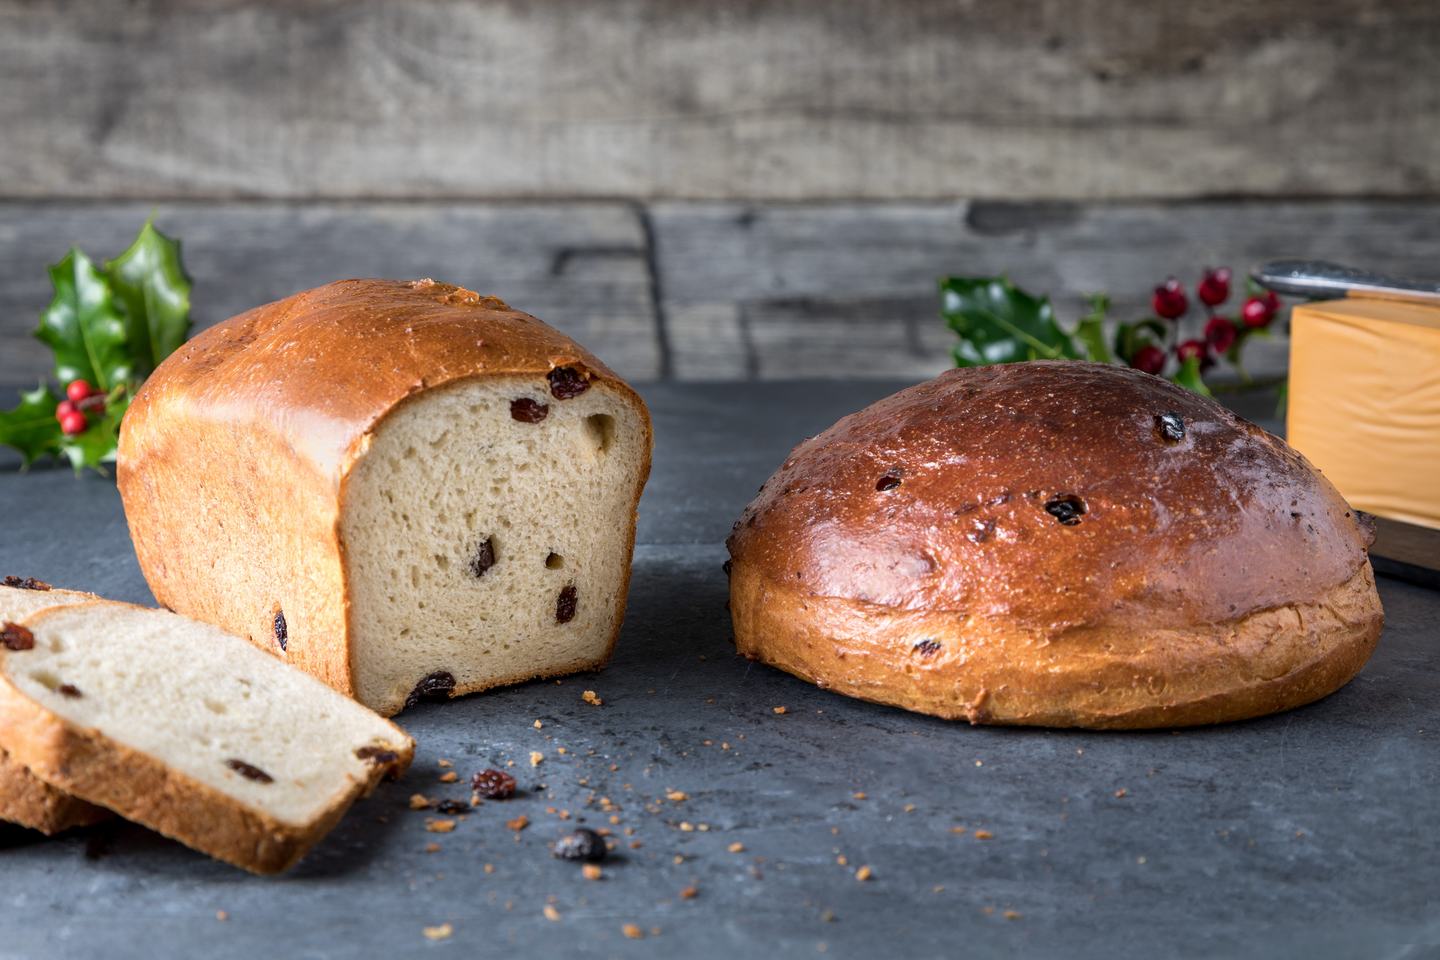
912	555
235	455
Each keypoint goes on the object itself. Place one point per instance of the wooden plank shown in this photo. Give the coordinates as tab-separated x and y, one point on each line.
785	99
850	290
581	267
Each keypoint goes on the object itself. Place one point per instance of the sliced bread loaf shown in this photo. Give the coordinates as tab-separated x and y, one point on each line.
189	730
25	798
406	489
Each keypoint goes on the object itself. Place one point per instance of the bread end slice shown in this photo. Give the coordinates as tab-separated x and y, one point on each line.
190	731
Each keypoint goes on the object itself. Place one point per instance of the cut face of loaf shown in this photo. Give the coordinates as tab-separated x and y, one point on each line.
190	731
487	537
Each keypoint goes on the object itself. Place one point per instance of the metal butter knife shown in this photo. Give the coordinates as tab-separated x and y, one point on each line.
1401	550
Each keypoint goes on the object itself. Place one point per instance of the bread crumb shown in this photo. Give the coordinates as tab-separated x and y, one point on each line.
908	808
864	873
519	823
449	777
592	698
979	763
703	827
988	911
222	915
983	834
551	913
538	724
591	871
561	750
842	860
736	847
780	710
632	931
439	826
957	829
418	801
1120	793
1012	915
686	826
536	758
442	762
689	893
677	859
677	796
432	847
441	932
938	888
489	868
860	795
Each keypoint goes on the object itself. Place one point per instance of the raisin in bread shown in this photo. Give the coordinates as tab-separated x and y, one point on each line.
1055	543
404	488
25	798
189	730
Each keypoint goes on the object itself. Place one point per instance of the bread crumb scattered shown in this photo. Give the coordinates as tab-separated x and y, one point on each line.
418	801
864	873
632	931
957	829
983	834
536	758
1012	915
443	763
842	860
519	823
432	847
860	795
780	710
489	868
677	796
908	808
677	859
689	893
686	826
703	827
736	847
449	777
439	826
538	724
441	932
551	913
592	698
591	871
222	915
1120	793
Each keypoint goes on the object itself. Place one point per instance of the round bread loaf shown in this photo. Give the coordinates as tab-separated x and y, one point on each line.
1058	544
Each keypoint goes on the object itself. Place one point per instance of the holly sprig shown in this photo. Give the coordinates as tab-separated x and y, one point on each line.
108	326
998	322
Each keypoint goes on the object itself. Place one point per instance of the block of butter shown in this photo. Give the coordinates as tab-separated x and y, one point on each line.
1364	402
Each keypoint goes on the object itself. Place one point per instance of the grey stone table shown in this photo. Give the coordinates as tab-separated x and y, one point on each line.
1308	834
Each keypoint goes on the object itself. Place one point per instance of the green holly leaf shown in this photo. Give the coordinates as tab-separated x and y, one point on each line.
1130	337
152	288
998	322
1091	330
1188	376
31	427
99	442
83	326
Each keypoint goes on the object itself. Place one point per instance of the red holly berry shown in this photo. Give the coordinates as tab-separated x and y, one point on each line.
1214	287
73	423
63	409
1259	311
1194	348
1149	359
1220	333
1169	300
78	390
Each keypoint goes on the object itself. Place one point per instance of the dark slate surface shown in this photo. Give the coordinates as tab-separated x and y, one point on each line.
1307	834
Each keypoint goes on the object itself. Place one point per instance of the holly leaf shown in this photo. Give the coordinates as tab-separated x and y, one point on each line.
998	322
1188	376
31	427
154	293
99	442
1130	337
83	326
1091	330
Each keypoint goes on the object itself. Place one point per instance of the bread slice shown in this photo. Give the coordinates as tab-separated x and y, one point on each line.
190	731
403	488
25	798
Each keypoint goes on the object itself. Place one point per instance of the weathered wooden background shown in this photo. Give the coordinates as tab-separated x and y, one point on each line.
734	190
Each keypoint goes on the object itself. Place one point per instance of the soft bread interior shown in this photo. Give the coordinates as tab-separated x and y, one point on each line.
487	542
203	702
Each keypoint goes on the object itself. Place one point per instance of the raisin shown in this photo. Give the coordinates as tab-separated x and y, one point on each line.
282	632
452	807
484	558
1171	426
565	604
377	755
583	844
438	686
26	583
16	637
888	481
69	690
528	411
249	771
1066	507
566	382
927	647
493	784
